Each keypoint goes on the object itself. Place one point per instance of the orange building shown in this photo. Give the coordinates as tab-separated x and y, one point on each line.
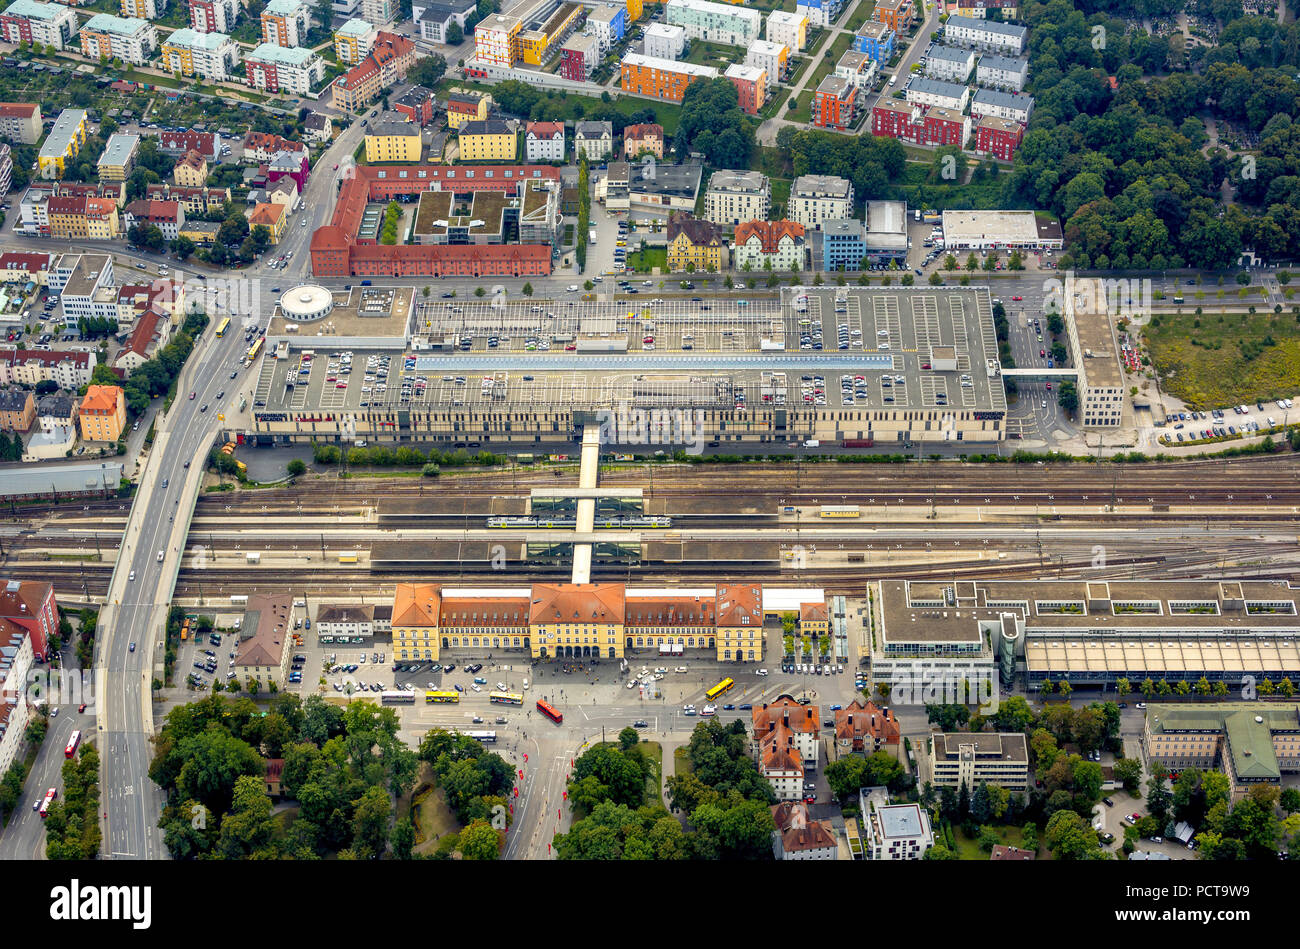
103	414
895	14
665	79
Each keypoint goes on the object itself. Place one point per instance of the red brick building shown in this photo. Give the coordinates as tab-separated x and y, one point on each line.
336	251
30	604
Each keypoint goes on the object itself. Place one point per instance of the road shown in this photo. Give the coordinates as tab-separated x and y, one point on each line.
129	646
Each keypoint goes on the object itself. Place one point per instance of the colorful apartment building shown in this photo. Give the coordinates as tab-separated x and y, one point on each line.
285	22
144	9
352	41
416	103
129	39
751	86
392	137
63	143
271	215
465	107
388	61
535	46
212	56
820	13
275	68
579	57
876	40
607	23
118	157
769	57
895	14
665	41
496	39
213	16
834	104
45	24
715	22
102	415
661	78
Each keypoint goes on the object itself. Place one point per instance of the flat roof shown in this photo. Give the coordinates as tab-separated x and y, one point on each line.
988	26
362	312
42	479
119	149
65	126
670	65
1101	369
1007	227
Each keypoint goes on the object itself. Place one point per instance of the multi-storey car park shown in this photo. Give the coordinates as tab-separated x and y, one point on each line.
860	365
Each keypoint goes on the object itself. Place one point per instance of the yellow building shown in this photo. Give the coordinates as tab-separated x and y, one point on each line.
739	615
694	246
274	217
487	140
465	107
576	619
353	40
416	608
102	221
102	414
534	46
633	11
191	171
63	143
814	620
392	138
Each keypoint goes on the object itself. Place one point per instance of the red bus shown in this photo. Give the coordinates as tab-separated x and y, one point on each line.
50	795
73	742
549	712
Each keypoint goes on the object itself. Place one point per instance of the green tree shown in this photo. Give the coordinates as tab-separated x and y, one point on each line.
1069	837
296	468
370	821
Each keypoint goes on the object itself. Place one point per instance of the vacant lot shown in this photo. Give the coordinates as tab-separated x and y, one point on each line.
968	849
1214	359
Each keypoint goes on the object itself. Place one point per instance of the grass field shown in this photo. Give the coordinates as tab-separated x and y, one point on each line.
433	820
968	849
1216	359
645	261
826	65
861	15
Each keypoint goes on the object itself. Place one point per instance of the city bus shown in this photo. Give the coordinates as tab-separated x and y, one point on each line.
505	698
432	697
487	738
549	712
73	741
254	349
221	327
50	795
718	689
397	697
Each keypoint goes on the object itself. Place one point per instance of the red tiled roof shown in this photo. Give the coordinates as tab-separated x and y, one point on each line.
149	209
669	611
31	262
577	603
769	234
18	110
739	604
490	611
648	130
16	357
545	129
785	712
143	333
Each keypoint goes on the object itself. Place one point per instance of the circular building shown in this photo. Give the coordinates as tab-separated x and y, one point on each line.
306	303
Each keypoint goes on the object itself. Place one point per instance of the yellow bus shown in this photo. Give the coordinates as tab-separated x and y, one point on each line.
254	349
718	689
432	697
221	327
505	698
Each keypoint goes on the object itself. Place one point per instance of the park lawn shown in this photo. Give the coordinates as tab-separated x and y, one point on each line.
861	15
644	261
780	194
969	849
802	111
682	762
433	820
1201	358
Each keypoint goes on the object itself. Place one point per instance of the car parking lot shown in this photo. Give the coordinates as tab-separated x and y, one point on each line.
1239	420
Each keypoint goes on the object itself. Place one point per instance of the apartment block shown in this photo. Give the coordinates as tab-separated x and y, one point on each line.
896	831
144	9
858	68
994	35
489	140
213	16
274	68
815	199
788	29
388	61
544	141
949	63
769	57
1009	73
715	22
379	12
118	157
607	23
661	78
696	246
129	39
593	139
876	40
898	15
496	39
971	759
834	103
640	139
63	143
751	86
947	95
1003	105
416	103
998	137
21	122
665	41
735	196
48	24
212	56
285	23
579	57
820	13
352	41
17	410
776	246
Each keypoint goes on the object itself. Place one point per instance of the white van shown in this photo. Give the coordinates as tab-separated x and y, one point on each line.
893	80
160	556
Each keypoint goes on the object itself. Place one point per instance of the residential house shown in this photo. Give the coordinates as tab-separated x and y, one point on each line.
63	143
642	139
391	137
318	127
388	61
191	171
488	140
544	141
263	650
167	215
751	86
150	333
207	144
213	16
17	410
465	107
818	198
866	728
31	605
770	57
835	103
285	22
896	831
417	104
103	414
21	122
274	68
129	39
798	836
593	139
776	246
895	14
274	217
788	29
44	24
735	196
579	57
876	40
1007	39
694	245
665	41
210	56
352	41
949	63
